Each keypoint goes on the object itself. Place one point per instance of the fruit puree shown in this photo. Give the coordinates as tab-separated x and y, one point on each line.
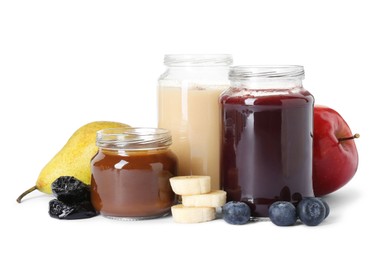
267	146
133	184
188	105
193	117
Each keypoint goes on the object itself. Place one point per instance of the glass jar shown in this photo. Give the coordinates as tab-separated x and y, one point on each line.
267	126
188	97
131	172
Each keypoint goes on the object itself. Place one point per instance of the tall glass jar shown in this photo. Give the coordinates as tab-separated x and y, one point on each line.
131	172
188	97
267	125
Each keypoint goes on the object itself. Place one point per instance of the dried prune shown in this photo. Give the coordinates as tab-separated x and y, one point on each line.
68	189
61	210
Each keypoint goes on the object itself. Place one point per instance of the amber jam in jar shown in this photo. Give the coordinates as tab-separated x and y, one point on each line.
267	124
131	172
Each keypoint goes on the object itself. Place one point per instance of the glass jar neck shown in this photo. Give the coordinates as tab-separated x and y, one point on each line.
133	139
197	60
207	69
266	77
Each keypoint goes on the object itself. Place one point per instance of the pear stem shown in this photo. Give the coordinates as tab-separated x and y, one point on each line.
348	138
19	199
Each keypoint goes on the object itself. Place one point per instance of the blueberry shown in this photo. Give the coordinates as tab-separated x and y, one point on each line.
311	211
236	212
282	213
327	207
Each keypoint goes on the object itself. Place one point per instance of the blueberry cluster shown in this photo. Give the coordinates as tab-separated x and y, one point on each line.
72	199
310	211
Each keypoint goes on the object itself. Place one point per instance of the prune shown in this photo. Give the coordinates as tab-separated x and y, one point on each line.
68	189
61	210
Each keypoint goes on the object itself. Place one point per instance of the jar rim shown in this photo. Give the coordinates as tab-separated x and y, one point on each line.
197	60
247	72
133	138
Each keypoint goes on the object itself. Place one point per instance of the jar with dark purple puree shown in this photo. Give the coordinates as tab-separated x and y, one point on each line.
267	124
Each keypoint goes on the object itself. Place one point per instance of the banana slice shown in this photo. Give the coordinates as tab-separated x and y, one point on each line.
215	199
190	185
182	214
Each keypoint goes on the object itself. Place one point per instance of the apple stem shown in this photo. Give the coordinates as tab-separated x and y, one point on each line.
348	138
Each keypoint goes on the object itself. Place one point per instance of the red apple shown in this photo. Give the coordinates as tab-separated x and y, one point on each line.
335	156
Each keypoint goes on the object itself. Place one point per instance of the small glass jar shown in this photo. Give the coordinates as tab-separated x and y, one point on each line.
131	172
188	97
267	126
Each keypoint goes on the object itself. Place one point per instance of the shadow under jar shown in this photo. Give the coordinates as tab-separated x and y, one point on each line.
267	125
131	172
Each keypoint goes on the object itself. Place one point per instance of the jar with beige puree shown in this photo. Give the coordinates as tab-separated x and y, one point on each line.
188	104
131	172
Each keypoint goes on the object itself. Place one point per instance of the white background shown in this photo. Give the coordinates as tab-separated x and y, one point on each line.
66	63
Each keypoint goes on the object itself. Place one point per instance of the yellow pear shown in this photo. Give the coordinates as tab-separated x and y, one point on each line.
73	159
